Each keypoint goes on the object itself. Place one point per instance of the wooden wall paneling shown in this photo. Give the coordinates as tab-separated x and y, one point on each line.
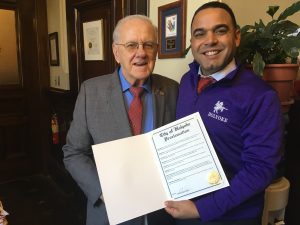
23	114
43	107
29	73
136	7
72	48
14	148
9	1
35	73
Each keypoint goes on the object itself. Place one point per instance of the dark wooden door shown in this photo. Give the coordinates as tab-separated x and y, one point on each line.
83	12
100	12
23	111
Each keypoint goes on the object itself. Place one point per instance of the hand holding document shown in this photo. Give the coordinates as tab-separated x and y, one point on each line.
174	162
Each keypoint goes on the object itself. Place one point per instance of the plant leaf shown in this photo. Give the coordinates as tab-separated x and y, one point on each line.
258	64
290	11
272	10
260	26
186	51
291	46
271	43
284	28
246	28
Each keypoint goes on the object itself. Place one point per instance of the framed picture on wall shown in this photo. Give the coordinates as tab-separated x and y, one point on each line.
93	40
53	49
171	30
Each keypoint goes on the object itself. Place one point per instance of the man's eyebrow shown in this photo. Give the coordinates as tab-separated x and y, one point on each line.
214	28
221	26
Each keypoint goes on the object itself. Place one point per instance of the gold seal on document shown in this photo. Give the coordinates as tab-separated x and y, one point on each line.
213	177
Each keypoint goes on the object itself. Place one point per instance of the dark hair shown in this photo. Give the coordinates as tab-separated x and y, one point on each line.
220	5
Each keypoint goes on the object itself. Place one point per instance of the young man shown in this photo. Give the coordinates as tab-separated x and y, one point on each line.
242	116
102	111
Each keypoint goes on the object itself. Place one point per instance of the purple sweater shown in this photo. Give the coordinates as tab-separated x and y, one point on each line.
243	118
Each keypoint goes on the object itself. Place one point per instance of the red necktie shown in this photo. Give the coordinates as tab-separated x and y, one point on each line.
204	82
135	110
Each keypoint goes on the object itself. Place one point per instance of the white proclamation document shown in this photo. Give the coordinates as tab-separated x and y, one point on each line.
174	162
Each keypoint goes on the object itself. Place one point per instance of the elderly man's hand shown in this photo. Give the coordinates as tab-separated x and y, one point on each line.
185	209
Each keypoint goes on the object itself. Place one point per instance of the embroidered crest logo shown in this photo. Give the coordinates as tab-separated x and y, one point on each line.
219	107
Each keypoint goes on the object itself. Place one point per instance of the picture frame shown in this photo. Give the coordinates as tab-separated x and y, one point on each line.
171	30
53	49
93	32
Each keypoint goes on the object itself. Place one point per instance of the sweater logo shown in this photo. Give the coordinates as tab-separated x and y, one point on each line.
218	108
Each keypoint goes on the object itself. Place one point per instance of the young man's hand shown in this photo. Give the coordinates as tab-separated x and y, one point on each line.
185	209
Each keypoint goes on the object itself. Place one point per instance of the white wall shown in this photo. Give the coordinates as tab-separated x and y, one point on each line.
174	68
247	12
56	15
256	9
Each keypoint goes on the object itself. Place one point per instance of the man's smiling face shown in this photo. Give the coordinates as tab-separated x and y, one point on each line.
139	64
214	39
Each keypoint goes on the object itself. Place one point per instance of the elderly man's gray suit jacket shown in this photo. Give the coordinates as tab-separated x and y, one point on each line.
99	116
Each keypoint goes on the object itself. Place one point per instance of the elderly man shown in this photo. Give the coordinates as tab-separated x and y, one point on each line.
127	102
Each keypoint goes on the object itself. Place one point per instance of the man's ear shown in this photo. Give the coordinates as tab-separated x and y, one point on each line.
237	37
116	52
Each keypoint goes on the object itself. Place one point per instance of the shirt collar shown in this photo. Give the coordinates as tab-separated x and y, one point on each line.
222	73
126	85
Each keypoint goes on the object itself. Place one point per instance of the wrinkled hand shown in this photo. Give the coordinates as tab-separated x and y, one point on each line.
185	209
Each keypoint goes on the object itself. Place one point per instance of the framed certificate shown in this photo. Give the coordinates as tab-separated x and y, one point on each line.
93	40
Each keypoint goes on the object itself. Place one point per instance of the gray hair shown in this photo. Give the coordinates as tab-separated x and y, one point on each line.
116	33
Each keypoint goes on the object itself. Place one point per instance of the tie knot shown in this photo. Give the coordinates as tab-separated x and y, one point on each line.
204	82
136	91
207	79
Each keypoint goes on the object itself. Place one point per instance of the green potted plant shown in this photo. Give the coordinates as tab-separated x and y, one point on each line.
272	45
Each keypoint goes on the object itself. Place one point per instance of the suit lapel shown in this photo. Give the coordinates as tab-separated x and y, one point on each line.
116	104
159	103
